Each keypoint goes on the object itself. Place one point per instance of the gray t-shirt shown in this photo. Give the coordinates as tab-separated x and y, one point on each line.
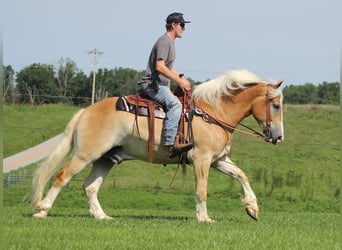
163	49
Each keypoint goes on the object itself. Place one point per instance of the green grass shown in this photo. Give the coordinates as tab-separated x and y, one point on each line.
297	184
167	229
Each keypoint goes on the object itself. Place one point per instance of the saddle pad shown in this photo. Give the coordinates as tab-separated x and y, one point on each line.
123	105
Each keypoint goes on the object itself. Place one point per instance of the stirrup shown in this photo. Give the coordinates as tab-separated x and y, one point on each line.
179	149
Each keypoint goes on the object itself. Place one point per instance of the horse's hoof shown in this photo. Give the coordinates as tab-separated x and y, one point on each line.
41	215
207	220
103	217
107	218
41	206
254	214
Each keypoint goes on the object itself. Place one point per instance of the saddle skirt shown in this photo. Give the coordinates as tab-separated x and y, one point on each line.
137	105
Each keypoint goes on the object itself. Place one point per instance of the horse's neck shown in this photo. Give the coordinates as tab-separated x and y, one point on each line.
233	110
225	111
241	104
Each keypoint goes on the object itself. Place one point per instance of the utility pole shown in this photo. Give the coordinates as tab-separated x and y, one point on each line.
94	52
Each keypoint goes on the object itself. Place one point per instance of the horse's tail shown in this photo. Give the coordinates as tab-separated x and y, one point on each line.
52	163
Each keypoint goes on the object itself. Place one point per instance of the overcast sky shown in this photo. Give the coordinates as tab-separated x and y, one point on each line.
298	41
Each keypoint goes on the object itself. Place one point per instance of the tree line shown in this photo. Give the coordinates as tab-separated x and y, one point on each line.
65	83
43	83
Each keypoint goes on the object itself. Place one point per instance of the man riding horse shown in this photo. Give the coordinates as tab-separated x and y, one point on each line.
155	83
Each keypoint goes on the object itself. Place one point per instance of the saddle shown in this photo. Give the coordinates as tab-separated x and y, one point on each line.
142	105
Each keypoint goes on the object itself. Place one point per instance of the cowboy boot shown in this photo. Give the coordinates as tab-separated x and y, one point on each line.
179	148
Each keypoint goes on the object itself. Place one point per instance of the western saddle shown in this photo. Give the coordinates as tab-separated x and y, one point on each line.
142	105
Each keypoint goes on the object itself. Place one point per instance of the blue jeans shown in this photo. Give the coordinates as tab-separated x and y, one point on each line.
172	106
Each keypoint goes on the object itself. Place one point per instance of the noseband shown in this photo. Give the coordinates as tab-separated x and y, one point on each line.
267	131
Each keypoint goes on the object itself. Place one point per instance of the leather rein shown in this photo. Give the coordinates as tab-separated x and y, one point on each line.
267	131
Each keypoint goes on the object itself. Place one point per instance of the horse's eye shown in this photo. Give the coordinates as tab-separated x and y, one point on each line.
276	106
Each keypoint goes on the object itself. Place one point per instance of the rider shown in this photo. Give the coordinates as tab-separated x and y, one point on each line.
156	81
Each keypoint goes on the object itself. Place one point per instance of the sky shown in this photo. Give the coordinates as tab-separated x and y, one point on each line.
298	41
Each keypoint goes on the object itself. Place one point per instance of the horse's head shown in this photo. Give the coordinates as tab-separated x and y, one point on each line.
268	111
262	100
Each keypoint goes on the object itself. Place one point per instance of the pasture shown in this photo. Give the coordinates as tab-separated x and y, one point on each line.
297	184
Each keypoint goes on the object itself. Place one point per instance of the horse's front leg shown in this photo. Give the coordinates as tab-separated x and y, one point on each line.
226	166
201	173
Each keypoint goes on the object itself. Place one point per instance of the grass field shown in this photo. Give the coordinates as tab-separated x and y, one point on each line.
167	229
297	184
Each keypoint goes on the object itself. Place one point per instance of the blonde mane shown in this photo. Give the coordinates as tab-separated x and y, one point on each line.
225	85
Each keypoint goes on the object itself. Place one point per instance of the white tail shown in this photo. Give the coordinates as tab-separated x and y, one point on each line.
52	163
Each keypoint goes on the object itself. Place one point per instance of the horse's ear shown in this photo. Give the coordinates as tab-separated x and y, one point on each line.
277	85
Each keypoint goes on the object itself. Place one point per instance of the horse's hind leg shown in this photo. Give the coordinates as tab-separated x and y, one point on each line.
93	183
226	166
74	166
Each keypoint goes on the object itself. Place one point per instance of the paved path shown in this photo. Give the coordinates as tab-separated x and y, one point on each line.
31	155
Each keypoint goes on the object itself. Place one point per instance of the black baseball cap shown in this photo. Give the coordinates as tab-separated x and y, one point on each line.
176	18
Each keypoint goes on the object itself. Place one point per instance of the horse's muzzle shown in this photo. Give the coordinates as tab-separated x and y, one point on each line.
274	141
275	137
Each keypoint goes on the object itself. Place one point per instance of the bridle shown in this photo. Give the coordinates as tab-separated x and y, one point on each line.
267	131
267	134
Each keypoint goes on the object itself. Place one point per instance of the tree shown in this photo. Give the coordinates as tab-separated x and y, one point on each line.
325	93
300	94
36	84
117	81
103	83
125	81
66	71
80	88
329	93
8	81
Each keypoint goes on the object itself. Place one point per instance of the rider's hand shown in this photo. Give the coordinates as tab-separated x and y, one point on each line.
185	85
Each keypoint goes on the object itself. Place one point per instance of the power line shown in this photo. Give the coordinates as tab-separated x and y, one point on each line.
95	63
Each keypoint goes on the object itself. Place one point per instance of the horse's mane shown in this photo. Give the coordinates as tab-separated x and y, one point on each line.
225	85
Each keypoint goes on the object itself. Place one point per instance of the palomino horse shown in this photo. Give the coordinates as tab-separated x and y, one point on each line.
93	131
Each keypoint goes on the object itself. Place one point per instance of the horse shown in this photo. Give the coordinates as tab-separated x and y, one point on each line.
220	105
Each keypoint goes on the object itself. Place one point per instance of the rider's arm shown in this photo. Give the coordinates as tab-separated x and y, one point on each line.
172	75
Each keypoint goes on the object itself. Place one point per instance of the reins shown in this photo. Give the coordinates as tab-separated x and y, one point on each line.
211	120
